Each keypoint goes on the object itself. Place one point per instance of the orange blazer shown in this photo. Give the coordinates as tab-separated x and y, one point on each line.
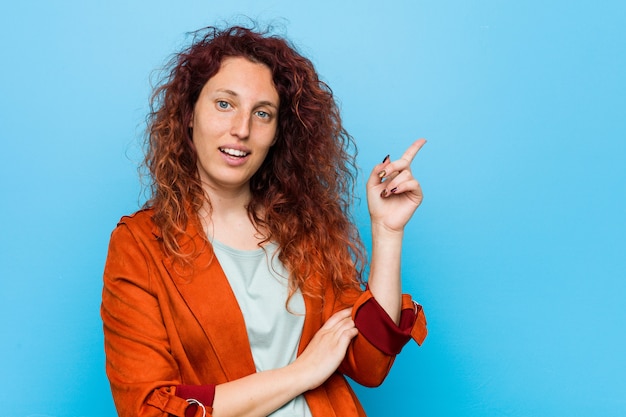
166	325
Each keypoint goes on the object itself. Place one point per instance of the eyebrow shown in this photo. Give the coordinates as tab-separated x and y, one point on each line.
234	94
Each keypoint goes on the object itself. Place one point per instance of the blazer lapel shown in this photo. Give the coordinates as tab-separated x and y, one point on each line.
208	295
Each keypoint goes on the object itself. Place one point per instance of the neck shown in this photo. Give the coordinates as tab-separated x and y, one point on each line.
226	219
224	202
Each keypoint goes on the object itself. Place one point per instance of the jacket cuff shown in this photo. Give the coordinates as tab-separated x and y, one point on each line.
200	394
381	331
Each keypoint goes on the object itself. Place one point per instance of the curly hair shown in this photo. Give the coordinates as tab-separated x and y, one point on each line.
305	186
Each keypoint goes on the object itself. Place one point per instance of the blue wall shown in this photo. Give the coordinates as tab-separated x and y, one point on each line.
518	252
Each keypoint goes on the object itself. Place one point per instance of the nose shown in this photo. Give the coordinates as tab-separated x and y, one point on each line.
240	126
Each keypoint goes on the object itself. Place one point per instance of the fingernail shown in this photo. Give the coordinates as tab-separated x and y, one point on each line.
382	174
393	190
386	158
384	193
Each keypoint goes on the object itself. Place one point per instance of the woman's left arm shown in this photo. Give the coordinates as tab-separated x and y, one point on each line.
393	195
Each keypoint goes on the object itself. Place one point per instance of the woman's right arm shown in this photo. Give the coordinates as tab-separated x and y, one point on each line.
143	373
141	369
269	390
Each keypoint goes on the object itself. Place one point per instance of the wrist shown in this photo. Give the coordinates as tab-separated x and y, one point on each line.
383	232
301	376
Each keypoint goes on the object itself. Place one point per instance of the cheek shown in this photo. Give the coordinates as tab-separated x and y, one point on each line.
207	129
272	134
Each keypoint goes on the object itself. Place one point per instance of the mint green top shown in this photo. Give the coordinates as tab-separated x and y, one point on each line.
260	283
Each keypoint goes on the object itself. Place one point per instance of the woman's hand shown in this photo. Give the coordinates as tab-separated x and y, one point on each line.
324	353
261	393
393	194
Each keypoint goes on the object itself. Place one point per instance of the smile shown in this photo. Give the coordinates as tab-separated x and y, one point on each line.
234	152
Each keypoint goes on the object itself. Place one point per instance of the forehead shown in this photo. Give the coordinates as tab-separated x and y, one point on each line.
244	78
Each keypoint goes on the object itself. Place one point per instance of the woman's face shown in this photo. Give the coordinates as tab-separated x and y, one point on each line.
234	124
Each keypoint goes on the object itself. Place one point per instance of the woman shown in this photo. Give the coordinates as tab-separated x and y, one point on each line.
237	290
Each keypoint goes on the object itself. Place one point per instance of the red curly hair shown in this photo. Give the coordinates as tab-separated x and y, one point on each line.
305	186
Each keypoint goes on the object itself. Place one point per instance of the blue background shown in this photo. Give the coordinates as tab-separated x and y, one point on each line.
518	253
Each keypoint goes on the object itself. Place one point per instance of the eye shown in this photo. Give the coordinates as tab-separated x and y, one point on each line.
223	105
263	114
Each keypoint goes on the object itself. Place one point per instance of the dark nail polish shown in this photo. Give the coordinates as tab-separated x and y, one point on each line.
393	190
386	158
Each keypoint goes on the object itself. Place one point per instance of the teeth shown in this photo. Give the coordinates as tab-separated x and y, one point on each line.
233	152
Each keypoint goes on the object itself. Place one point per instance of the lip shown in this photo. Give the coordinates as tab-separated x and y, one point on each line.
234	160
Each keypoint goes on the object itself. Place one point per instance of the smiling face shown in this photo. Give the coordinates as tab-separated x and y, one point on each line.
234	124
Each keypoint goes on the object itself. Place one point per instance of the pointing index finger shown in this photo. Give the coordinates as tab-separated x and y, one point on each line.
410	153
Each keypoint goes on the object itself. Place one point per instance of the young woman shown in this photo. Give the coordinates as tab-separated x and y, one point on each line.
237	290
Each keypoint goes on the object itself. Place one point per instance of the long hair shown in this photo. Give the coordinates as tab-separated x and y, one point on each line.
301	194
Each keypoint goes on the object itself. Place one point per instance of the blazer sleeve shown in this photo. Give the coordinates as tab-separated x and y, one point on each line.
372	352
143	374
